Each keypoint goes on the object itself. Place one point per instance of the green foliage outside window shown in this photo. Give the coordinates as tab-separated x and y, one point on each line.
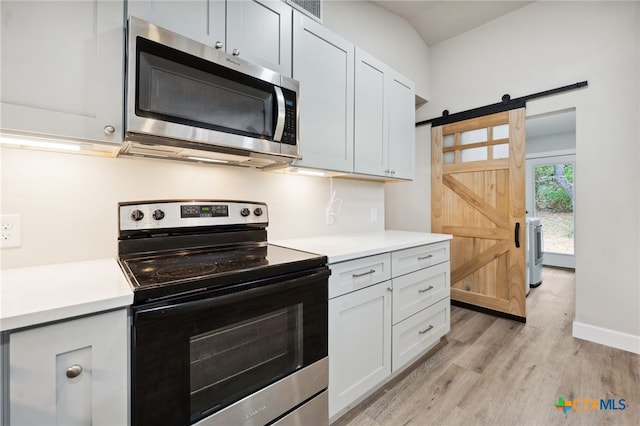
554	187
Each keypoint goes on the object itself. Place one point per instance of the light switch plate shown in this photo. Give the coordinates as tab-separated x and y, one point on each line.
10	231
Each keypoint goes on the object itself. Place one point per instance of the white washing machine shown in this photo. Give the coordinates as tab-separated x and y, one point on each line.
534	252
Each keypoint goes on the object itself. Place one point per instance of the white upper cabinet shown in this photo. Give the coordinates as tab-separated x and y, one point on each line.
200	20
62	69
323	63
371	116
258	31
384	120
402	119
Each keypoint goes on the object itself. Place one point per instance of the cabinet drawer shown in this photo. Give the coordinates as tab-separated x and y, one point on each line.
359	273
418	290
417	333
412	259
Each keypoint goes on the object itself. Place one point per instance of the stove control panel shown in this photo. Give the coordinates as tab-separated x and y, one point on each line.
184	214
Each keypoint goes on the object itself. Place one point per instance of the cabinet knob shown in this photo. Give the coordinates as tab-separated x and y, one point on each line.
218	45
109	130
235	52
74	371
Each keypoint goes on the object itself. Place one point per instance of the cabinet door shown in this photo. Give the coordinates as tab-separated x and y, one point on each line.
401	127
323	63
370	116
93	350
359	344
200	20
260	32
63	68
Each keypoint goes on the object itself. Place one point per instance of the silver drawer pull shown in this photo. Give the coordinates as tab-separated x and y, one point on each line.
424	290
429	256
371	271
426	330
74	371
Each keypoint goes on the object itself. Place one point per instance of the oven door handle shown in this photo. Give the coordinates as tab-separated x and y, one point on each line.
213	301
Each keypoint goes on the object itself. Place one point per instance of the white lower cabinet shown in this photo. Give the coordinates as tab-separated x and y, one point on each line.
385	311
70	373
359	344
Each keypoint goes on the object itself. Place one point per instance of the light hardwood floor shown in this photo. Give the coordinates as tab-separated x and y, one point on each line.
494	371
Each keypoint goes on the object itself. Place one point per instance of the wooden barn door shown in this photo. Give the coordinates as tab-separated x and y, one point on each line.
478	196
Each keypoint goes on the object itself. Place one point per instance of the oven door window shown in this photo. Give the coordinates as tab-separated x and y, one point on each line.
196	356
244	356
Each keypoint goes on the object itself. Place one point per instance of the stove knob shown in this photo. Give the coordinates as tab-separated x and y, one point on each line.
137	215
158	214
257	211
245	212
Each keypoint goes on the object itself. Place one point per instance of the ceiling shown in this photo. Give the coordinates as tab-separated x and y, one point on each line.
438	20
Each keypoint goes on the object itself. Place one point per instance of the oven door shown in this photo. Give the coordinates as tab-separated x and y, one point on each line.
196	357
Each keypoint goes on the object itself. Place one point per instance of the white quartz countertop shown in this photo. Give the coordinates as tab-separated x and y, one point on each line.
343	247
40	294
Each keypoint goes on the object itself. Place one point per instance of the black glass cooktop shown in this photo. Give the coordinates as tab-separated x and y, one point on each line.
162	275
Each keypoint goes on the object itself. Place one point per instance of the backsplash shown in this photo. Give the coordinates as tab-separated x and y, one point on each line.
68	203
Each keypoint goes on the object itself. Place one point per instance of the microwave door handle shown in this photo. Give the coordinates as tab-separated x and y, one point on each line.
277	134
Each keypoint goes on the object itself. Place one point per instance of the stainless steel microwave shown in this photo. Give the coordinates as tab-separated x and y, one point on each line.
190	101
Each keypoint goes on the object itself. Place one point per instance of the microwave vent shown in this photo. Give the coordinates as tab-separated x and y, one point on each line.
312	8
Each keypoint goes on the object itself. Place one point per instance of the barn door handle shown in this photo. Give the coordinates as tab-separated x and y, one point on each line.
517	234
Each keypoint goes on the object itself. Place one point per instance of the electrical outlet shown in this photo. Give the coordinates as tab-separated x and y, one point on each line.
374	214
330	216
10	232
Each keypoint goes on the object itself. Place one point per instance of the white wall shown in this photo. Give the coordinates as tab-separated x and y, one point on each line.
557	142
69	202
551	44
383	35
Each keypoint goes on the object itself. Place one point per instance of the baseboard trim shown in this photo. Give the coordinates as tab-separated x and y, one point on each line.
604	336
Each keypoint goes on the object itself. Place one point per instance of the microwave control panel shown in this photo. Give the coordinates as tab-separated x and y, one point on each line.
290	118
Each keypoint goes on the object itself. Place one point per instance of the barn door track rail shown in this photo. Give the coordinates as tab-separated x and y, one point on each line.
506	105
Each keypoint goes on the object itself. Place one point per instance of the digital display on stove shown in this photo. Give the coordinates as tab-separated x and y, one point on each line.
204	210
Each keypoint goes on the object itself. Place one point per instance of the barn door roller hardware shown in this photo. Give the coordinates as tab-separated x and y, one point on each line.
506	105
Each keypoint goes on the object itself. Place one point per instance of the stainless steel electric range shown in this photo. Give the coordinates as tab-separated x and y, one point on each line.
226	328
